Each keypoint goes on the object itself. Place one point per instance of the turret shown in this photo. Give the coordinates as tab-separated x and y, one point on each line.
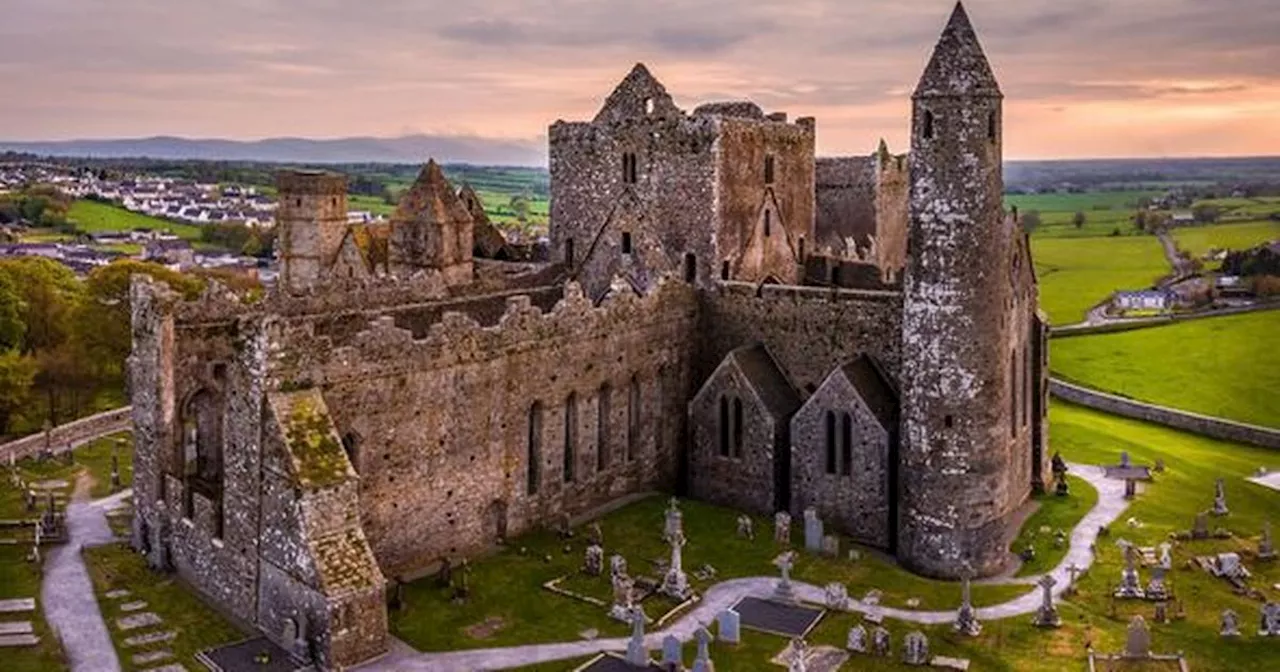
431	229
311	217
957	474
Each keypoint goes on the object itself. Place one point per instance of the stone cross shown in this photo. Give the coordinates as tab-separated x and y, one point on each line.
1220	497
674	521
880	642
1161	616
672	653
1073	571
1230	624
966	618
785	592
1156	589
1124	458
636	653
1137	643
916	649
1047	615
782	527
622	591
593	563
1130	584
730	626
676	583
857	640
1166	555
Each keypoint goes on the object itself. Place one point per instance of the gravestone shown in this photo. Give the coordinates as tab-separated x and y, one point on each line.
621	609
831	546
857	639
784	591
1161	615
1227	566
746	527
1047	615
1073	571
1124	459
636	653
1137	643
1130	583
1269	625
966	622
673	522
1156	588
1230	624
675	583
702	663
595	535
1200	530
593	564
1159	469
881	645
1130	488
672	653
1166	556
617	566
837	596
1220	497
813	532
797	662
1266	551
782	527
729	625
916	649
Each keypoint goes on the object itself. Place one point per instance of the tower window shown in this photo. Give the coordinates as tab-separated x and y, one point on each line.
928	125
991	125
568	252
690	267
768	220
802	249
724	270
298	202
768	169
948	422
629	168
626	242
648	106
835	276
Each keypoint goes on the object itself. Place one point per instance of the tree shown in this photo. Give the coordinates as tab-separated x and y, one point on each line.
252	246
1205	213
1078	219
1140	220
12	308
49	293
1030	220
17	373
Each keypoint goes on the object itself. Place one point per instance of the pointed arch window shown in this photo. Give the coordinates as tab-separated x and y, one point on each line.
846	444
724	426
831	441
768	221
737	427
927	131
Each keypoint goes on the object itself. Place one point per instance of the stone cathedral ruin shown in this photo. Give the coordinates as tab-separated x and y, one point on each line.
723	315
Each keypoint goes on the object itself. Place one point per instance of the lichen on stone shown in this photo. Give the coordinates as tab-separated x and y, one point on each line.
318	457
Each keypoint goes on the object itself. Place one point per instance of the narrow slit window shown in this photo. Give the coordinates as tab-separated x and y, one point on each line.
690	267
724	426
602	428
570	437
724	270
768	222
801	249
568	252
768	169
626	242
991	125
1013	392
928	125
846	444
831	442
534	474
737	427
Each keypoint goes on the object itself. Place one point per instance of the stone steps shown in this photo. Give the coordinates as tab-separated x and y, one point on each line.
12	641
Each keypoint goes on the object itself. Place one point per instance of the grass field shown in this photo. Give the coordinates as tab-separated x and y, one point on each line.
1224	366
1167	505
115	566
1055	513
1077	273
1242	236
92	216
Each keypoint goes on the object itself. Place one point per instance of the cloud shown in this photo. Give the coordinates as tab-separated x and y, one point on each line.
507	68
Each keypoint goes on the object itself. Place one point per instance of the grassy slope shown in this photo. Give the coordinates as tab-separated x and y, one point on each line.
1077	273
1224	366
1055	513
198	627
91	216
1242	236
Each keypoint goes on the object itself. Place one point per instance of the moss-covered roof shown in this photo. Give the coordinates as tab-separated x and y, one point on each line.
345	562
311	439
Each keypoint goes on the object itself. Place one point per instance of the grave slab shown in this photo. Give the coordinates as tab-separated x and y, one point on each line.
133	606
775	617
242	655
151	657
118	593
150	638
14	641
17	605
135	621
16	628
171	667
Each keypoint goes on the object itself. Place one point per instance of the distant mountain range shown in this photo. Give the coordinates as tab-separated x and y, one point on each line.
403	149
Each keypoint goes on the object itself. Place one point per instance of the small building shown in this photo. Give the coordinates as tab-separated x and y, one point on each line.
1144	299
178	252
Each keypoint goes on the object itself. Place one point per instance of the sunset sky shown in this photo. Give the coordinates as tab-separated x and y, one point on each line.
1082	78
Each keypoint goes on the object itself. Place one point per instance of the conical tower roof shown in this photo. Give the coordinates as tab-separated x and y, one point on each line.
430	199
958	66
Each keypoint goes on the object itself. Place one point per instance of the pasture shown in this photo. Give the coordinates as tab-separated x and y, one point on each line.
1224	366
1077	273
1200	239
92	217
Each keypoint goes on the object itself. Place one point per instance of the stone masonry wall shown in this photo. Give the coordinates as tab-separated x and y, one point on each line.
846	201
441	425
70	434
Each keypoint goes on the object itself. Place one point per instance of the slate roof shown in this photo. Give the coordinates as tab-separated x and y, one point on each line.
768	381
875	387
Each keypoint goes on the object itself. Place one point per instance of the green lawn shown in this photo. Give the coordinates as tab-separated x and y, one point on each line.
19	578
91	216
198	627
373	204
1055	513
1199	240
1077	273
93	458
1224	366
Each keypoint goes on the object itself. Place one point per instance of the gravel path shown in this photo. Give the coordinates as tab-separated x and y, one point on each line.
1111	504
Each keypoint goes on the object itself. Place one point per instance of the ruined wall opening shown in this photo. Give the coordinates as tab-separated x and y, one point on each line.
737	427
570	436
724	426
690	267
602	427
831	441
534	444
927	132
202	453
633	417
835	275
846	444
947	422
629	171
626	242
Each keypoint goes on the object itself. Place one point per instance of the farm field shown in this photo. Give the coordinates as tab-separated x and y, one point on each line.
1107	213
1224	366
1242	236
1076	273
92	216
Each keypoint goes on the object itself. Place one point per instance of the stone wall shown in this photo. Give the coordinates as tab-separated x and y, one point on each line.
1218	428
809	330
440	426
846	201
68	435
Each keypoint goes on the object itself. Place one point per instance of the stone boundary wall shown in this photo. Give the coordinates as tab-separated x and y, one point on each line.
1143	323
70	434
1217	428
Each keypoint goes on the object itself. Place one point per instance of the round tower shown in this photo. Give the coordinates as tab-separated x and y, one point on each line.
956	482
311	216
